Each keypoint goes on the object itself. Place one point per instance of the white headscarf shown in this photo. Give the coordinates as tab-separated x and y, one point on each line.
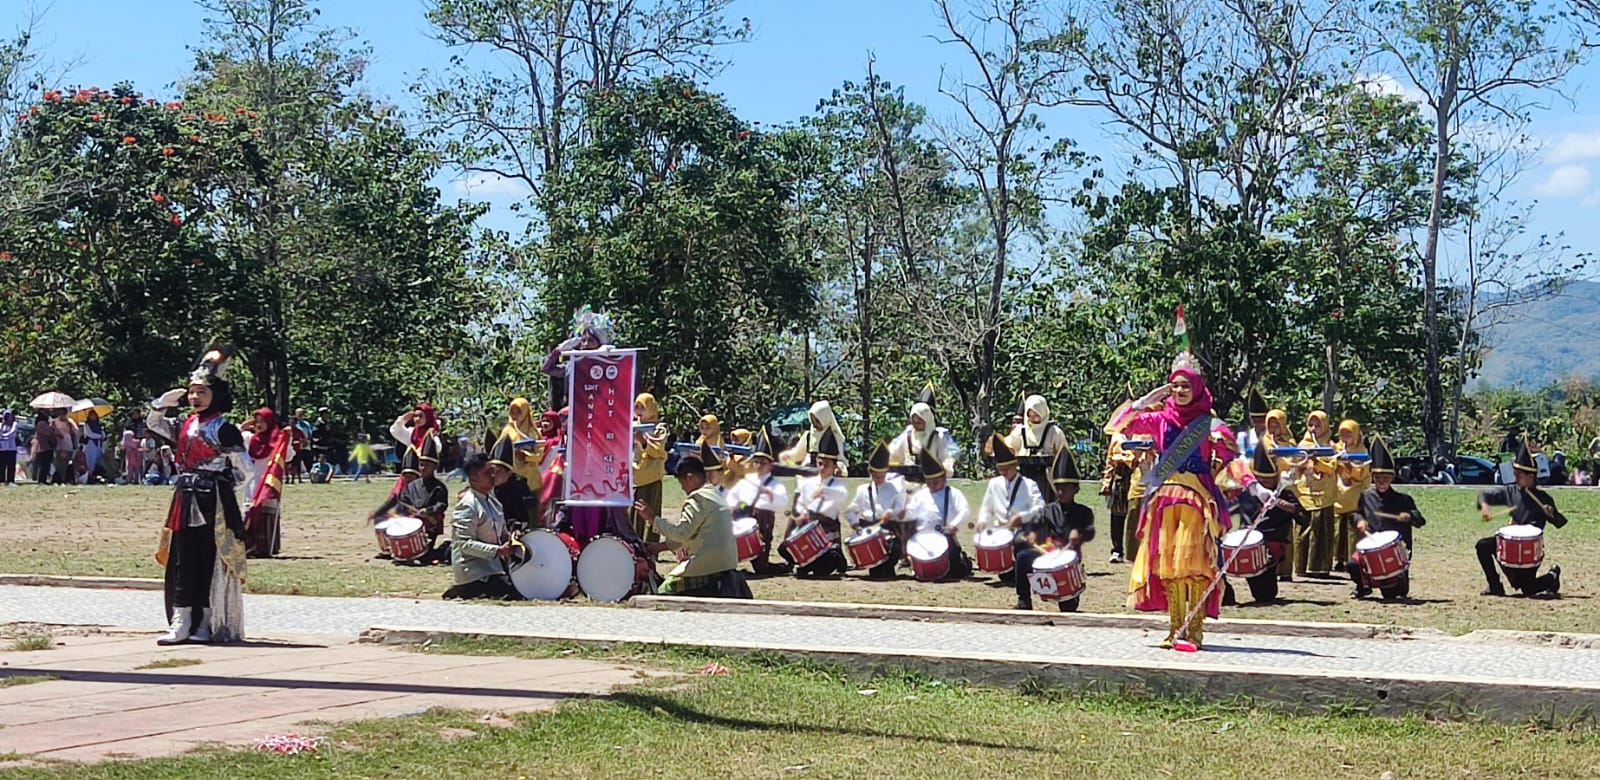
923	412
822	413
1037	405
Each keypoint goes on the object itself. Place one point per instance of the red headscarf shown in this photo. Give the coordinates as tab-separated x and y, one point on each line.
261	444
1180	416
423	428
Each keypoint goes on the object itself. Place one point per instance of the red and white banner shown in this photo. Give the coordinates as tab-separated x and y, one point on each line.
600	427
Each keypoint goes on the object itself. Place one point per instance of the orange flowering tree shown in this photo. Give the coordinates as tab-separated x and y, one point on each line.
107	241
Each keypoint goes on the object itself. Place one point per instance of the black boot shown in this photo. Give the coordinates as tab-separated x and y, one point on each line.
1555	579
1026	605
1070	605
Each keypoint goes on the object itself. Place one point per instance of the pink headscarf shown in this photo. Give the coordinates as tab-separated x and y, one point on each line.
1180	416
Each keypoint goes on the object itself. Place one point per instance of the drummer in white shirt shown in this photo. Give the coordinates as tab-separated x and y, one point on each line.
759	495
879	500
822	499
1010	499
941	509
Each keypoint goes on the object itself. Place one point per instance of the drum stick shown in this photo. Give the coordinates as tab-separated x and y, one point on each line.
1502	512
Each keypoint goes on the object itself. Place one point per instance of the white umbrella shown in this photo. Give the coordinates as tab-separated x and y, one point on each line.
52	400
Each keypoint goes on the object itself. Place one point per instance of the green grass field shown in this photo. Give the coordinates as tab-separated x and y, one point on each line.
328	548
774	720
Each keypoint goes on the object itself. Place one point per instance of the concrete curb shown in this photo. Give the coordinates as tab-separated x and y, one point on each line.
1019	618
1291	690
61	581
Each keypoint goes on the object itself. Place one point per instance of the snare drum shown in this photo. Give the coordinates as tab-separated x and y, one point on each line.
930	555
1519	546
747	538
1057	575
378	529
611	569
1245	551
868	547
993	550
1382	556
549	573
408	538
807	543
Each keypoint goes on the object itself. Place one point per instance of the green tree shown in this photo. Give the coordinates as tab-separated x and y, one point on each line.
673	217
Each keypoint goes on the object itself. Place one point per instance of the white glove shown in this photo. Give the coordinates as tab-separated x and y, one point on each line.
1153	398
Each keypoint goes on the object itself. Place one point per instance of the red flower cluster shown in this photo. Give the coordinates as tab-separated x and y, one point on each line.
129	140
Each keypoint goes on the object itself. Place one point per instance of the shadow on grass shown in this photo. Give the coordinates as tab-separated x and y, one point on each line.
649	703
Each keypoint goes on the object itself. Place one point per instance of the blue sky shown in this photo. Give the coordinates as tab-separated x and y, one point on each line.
801	51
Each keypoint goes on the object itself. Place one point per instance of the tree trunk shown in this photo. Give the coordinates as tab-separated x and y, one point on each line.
1330	387
1433	392
864	304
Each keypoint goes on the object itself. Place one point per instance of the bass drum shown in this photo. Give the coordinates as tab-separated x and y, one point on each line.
611	569
549	573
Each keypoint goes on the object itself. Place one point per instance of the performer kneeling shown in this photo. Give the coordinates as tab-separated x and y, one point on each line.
202	543
1277	526
1382	509
879	502
760	494
1063	523
1528	505
480	545
704	531
422	495
821	499
943	509
518	500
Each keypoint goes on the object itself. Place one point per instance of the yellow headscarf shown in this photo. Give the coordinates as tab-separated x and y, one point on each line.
1283	421
652	410
715	437
519	418
1310	440
1353	427
740	436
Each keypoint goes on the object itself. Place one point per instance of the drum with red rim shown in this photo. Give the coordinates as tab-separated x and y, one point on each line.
1245	551
868	547
747	538
807	543
408	538
993	550
1519	546
378	529
550	572
611	569
930	555
1057	575
1382	556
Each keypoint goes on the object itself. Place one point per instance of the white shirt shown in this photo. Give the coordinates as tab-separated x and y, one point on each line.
827	500
874	500
1003	499
903	450
758	492
944	510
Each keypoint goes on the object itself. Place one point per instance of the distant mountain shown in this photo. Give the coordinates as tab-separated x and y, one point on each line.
1549	341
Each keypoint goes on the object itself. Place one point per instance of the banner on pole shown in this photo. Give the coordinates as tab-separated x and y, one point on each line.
600	427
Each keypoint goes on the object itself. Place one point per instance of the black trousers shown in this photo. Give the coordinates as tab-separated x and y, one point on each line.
494	586
1118	525
39	467
1529	581
8	467
191	560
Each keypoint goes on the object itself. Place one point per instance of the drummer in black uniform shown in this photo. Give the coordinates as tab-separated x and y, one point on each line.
511	489
1383	508
1063	523
1276	526
1529	505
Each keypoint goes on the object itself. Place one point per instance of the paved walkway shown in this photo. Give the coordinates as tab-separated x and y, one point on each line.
103	705
1441	657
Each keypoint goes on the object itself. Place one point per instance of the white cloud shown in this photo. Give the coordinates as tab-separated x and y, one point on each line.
1567	181
489	184
1385	84
1572	147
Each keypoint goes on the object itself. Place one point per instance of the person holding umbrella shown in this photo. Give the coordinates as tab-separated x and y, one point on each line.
88	413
